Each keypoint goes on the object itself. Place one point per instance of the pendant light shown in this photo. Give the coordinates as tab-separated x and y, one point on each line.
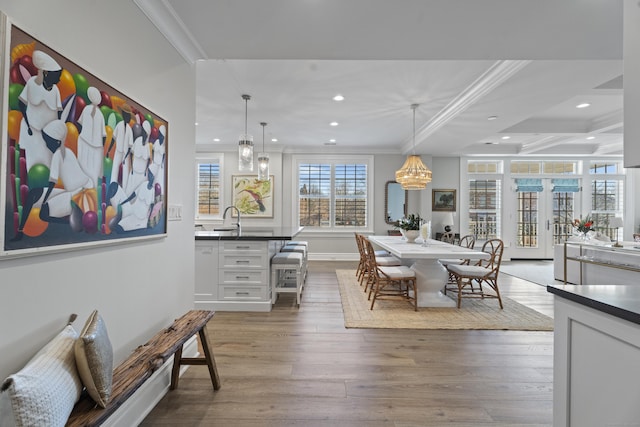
263	160
245	144
413	175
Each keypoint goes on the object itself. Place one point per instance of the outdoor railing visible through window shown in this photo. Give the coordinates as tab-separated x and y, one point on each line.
607	195
333	195
484	208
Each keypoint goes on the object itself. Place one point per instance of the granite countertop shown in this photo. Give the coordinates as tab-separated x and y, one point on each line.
249	233
622	301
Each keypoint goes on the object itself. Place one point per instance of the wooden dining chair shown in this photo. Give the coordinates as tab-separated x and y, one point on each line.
469	242
484	272
390	282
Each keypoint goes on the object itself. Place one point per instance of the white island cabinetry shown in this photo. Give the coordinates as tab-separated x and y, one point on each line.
596	351
233	272
206	289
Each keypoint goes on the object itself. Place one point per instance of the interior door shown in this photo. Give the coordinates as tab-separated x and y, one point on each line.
543	219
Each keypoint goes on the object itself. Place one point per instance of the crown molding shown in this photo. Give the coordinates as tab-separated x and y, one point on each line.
494	76
164	17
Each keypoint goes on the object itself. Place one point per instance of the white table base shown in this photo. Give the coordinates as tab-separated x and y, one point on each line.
431	277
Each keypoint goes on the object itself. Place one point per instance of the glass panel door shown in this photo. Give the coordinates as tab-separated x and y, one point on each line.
543	219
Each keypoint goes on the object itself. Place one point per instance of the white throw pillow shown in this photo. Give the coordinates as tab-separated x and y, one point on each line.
94	357
44	391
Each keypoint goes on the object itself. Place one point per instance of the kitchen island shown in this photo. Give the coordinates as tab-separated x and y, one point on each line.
596	352
233	268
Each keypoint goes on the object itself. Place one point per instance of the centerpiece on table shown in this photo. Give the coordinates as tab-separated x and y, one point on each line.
584	226
410	227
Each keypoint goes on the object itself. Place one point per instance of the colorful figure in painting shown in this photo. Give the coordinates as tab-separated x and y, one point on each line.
40	104
55	205
123	140
140	159
92	137
159	154
134	209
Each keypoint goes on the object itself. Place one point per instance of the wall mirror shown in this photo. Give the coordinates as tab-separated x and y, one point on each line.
395	202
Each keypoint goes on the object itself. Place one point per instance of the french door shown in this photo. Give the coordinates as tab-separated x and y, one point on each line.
543	218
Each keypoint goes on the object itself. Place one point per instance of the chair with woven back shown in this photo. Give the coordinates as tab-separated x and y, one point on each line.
468	241
390	282
382	257
484	272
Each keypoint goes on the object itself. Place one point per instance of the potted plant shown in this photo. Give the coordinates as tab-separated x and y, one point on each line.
410	226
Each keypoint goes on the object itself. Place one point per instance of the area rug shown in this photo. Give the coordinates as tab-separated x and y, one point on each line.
474	313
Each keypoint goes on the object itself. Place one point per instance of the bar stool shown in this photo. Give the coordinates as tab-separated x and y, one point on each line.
301	249
283	264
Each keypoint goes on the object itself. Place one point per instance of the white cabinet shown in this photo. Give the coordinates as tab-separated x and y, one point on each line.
595	361
244	271
206	288
234	275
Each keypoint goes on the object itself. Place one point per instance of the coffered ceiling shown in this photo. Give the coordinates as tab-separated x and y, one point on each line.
491	76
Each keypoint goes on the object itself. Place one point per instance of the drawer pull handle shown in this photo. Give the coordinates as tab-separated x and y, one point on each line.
242	293
242	277
242	261
243	247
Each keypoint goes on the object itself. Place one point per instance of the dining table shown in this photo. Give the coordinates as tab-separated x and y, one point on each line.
422	256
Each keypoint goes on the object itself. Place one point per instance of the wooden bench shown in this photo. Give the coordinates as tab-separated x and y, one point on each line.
145	360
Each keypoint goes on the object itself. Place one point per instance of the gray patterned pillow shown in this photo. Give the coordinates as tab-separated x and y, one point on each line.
94	357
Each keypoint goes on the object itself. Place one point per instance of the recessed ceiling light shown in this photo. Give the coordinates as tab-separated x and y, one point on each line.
196	123
333	123
274	139
506	137
583	105
492	117
332	140
591	137
338	98
216	139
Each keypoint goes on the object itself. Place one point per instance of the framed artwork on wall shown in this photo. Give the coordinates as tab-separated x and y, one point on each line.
443	200
82	163
252	197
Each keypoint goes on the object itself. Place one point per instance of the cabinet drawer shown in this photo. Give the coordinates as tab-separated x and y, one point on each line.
257	277
242	246
239	293
245	260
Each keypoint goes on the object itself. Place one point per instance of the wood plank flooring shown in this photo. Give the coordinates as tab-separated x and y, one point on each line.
301	367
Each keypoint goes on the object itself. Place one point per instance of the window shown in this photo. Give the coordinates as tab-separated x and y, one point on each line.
333	194
484	208
209	184
607	194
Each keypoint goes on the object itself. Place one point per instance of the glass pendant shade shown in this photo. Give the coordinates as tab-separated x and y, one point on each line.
263	160
263	167
413	175
245	153
245	144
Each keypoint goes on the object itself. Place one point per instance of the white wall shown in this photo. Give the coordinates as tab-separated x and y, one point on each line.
138	287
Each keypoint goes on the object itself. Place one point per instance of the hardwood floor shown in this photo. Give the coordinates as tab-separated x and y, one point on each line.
301	367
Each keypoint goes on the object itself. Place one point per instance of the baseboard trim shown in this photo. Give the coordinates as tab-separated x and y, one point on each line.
333	256
141	403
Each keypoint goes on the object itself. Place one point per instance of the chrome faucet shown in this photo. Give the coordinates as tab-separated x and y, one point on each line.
224	216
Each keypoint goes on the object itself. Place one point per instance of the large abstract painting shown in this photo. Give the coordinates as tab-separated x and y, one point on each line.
82	164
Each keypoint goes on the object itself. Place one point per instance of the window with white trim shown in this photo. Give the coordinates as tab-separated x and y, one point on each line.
607	194
485	198
209	196
334	194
